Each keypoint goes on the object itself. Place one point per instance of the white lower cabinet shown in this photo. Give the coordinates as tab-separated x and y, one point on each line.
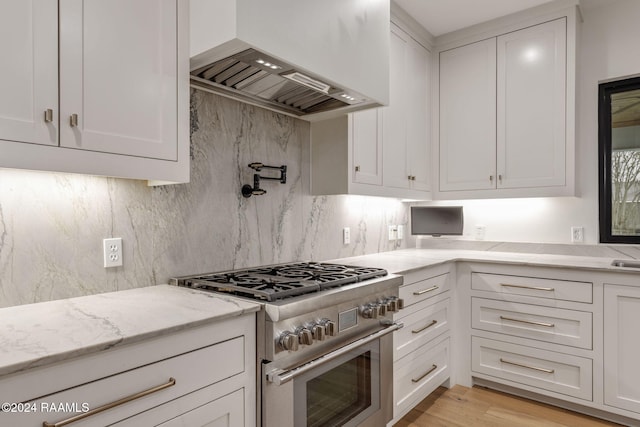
196	409
622	347
419	374
201	377
422	348
533	329
545	370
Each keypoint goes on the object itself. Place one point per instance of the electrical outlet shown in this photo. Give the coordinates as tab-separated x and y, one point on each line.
480	231
346	236
577	234
112	252
400	231
393	232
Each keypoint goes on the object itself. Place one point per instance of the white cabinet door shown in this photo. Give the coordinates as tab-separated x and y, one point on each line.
405	121
394	116
531	106
366	128
417	116
118	68
468	117
622	347
29	72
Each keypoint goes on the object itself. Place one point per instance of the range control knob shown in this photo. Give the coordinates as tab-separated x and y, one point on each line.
330	328
318	332
289	341
305	336
382	309
370	311
395	304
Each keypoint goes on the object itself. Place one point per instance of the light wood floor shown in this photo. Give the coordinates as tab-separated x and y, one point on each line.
479	407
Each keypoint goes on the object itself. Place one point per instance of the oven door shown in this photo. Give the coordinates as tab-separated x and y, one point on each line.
351	386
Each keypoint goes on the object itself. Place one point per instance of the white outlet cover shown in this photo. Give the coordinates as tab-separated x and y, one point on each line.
400	231
112	250
346	235
393	232
577	234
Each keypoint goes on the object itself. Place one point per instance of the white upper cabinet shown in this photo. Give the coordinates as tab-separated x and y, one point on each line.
29	72
468	117
118	65
120	104
507	111
531	106
384	151
366	128
405	120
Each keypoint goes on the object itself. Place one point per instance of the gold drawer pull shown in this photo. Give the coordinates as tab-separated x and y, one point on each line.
433	368
535	368
529	322
417	331
535	288
111	405
424	291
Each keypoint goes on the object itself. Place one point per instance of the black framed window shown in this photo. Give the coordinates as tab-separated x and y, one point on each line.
619	160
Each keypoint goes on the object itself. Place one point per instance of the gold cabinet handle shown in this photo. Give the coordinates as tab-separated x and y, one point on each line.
500	178
535	368
424	291
490	178
111	405
417	331
529	322
48	115
73	120
433	368
535	288
357	168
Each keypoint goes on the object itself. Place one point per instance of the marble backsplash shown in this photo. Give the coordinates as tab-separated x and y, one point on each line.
52	225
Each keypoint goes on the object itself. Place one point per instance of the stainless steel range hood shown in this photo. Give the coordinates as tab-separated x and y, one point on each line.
305	58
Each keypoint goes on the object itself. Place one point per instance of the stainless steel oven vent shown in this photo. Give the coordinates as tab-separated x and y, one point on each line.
260	79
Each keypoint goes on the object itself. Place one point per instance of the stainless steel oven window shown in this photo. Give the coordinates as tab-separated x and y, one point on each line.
343	392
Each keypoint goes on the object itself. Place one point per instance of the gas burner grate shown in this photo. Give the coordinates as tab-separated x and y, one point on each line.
282	281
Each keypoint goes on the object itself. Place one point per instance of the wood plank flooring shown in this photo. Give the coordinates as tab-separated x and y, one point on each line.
479	407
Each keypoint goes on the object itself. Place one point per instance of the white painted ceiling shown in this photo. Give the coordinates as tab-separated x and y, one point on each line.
443	16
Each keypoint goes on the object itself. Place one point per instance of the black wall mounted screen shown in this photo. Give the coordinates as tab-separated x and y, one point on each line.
437	220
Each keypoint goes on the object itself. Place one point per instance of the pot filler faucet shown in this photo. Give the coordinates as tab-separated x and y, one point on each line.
248	191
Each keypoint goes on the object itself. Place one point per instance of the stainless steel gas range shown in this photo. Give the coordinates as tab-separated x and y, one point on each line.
325	344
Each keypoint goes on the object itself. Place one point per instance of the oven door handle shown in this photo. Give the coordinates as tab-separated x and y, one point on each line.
279	376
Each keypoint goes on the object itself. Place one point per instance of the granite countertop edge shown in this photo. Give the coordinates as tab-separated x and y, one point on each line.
30	334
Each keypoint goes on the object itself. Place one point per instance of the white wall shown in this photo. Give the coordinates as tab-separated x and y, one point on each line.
608	48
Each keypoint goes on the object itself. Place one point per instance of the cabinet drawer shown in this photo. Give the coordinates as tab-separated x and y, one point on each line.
533	287
201	410
418	374
419	291
190	371
545	370
555	325
420	327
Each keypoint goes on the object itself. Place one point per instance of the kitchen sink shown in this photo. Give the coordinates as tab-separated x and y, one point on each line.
626	263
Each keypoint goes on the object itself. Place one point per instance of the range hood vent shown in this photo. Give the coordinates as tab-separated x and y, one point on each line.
260	79
269	53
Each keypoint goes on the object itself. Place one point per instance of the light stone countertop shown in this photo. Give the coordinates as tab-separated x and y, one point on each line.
407	260
43	333
40	334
